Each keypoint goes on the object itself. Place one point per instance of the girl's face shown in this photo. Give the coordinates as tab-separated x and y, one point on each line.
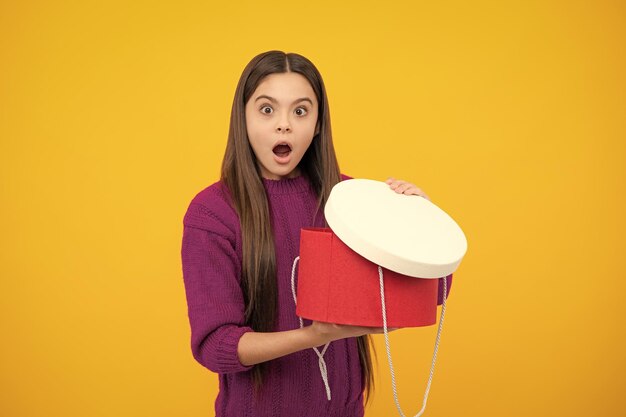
281	120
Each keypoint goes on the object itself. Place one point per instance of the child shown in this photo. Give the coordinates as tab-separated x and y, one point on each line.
240	238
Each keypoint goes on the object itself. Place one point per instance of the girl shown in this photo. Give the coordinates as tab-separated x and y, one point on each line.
240	238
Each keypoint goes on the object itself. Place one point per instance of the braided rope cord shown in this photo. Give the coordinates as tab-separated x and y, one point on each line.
320	355
432	366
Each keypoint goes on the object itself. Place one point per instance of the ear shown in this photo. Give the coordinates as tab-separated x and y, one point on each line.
317	128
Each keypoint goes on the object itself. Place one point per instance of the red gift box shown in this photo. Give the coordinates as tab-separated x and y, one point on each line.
337	285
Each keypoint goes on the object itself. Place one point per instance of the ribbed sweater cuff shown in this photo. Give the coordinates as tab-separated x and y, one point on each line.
226	353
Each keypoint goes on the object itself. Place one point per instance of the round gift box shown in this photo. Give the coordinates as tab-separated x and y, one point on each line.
413	240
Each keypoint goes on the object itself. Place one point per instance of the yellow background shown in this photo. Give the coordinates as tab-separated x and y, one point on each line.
510	115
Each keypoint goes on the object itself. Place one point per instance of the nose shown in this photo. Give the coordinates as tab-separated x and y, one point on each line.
283	125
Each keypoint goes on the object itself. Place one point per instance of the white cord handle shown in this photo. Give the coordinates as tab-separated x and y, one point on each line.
322	363
320	355
432	366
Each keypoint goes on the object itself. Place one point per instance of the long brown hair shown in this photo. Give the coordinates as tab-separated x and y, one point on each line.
242	176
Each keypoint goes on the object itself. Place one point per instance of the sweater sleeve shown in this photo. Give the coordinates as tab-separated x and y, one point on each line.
214	299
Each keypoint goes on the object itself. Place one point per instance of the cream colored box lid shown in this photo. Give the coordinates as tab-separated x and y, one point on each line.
405	234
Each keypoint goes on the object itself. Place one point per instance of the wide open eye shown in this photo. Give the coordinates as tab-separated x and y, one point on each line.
264	110
303	111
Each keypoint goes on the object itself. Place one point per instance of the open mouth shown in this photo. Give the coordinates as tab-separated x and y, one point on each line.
282	150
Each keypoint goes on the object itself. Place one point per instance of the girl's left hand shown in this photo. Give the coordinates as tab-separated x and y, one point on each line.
403	187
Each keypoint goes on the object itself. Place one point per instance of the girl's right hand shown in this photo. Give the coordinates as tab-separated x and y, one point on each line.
331	331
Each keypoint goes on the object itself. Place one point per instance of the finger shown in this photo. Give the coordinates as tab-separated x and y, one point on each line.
408	189
404	187
381	330
422	194
413	190
416	191
396	183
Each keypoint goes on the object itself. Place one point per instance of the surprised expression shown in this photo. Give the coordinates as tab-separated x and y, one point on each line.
281	120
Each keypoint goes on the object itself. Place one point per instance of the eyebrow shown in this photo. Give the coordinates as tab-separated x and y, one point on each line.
273	100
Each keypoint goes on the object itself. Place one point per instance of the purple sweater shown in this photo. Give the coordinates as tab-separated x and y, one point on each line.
211	258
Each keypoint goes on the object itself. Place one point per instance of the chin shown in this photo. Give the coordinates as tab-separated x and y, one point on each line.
282	171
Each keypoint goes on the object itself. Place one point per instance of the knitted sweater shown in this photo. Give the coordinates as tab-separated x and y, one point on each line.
211	258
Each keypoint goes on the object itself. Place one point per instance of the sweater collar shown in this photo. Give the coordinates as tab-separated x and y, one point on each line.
294	185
